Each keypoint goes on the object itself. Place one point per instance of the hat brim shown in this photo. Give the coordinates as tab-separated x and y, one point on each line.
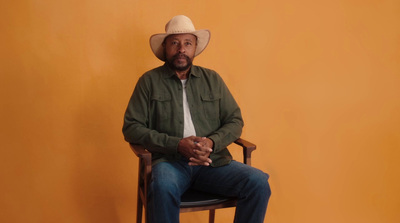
156	40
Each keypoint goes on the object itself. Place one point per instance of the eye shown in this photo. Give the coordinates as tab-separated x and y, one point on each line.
188	43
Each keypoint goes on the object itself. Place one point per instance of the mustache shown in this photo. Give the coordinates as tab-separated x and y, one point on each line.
180	56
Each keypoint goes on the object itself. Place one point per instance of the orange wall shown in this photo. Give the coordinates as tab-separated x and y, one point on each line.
318	83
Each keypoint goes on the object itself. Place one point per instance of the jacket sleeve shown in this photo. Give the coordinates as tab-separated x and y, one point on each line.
230	118
136	124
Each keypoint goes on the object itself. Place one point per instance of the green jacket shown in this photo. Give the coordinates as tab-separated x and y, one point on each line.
154	116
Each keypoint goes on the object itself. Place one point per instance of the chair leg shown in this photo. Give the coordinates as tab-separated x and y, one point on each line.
139	210
139	215
211	217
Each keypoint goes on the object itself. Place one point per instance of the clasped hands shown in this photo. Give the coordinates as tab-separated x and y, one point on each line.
196	149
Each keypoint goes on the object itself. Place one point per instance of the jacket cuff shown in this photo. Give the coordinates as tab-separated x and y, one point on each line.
216	141
172	144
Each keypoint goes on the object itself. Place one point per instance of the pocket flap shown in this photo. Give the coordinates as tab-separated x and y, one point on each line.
161	97
210	97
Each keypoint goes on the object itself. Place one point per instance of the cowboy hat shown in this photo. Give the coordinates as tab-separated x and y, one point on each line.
179	24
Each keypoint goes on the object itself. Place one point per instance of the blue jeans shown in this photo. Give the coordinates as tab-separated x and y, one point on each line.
171	179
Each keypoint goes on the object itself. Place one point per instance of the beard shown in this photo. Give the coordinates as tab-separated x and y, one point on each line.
174	63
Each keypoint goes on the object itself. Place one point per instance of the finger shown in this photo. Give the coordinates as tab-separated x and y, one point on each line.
201	155
203	147
200	159
199	164
201	152
206	142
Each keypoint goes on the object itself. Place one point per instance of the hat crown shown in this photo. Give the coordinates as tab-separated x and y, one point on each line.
179	24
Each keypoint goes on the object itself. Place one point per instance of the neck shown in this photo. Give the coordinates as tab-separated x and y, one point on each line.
182	74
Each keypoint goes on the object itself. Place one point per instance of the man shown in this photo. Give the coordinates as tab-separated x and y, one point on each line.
186	117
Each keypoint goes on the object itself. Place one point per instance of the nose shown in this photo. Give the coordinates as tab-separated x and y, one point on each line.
181	48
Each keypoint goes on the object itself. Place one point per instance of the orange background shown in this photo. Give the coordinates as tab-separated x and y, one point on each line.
318	83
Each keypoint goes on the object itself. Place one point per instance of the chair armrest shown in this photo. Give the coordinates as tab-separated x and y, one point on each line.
141	152
144	157
248	148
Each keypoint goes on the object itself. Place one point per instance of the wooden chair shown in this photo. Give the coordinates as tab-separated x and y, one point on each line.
192	200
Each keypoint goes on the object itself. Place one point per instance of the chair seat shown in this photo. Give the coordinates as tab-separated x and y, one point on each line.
195	198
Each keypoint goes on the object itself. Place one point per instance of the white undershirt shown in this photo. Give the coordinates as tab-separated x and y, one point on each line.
188	127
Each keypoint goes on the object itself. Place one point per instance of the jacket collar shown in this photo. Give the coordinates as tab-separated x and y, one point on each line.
170	73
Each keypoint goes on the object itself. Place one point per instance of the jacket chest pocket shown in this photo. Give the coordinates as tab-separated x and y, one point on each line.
161	106
211	106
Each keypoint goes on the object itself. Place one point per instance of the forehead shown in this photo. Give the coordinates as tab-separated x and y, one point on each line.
185	36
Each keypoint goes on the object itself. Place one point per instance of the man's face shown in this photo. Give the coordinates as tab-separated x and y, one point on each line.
179	51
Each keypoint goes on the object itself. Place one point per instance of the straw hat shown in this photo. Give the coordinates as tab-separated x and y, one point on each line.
179	25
